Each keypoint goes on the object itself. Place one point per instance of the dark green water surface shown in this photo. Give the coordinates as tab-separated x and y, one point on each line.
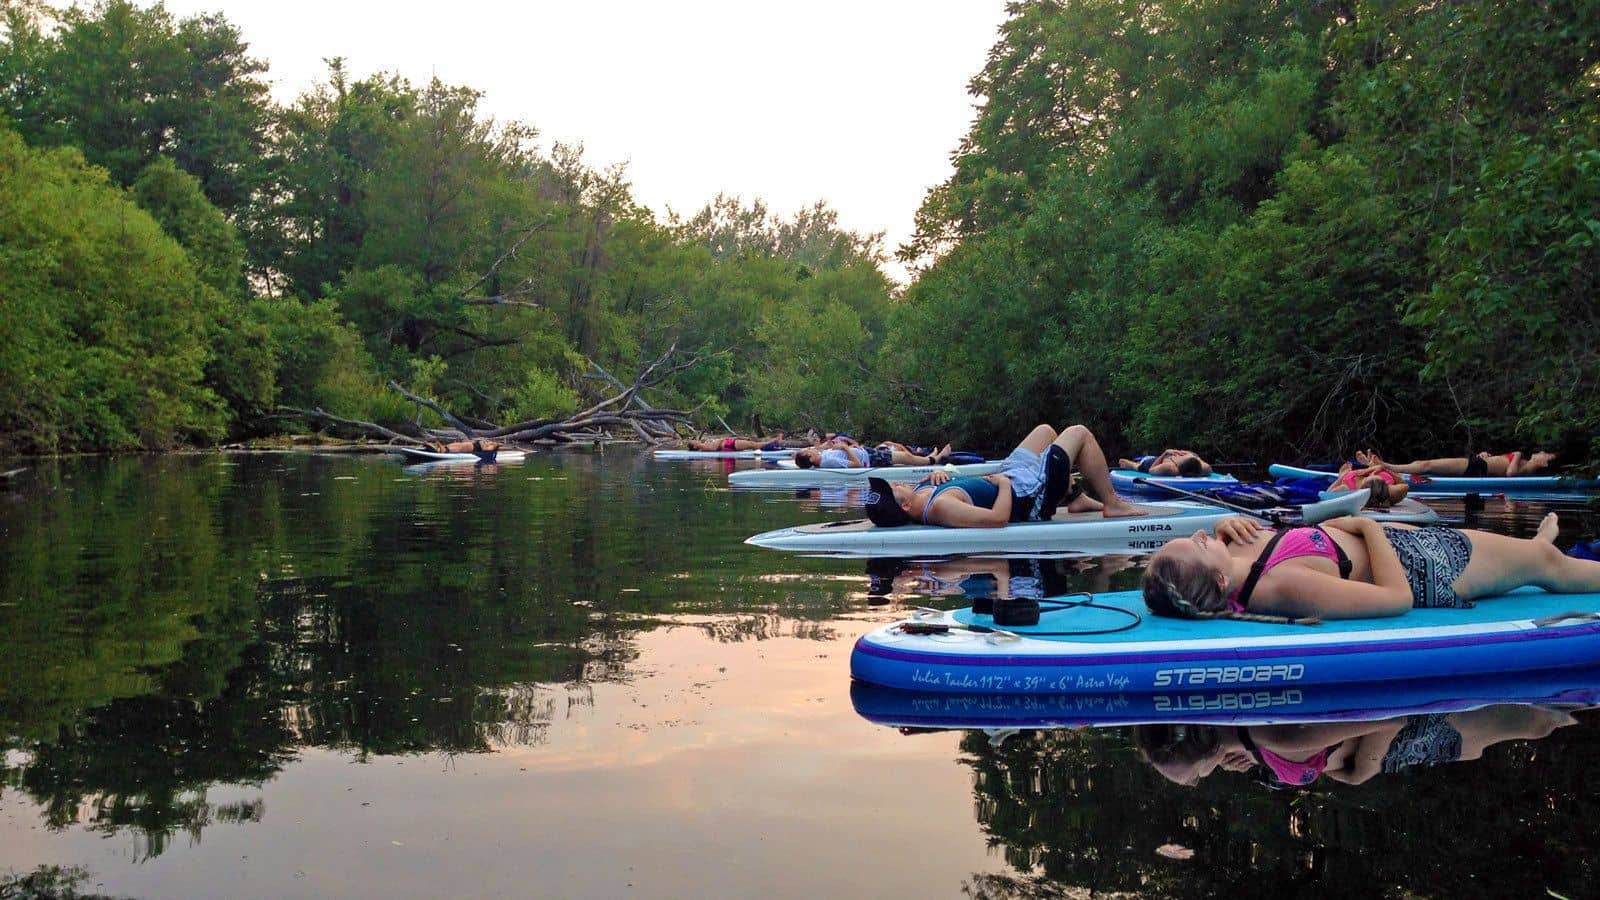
304	676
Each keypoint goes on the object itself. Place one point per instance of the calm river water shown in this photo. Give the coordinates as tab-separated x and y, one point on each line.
284	675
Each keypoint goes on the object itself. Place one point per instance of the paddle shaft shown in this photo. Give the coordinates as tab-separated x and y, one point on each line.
1253	513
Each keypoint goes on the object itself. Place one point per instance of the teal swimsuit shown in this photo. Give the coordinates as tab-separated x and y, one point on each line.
981	492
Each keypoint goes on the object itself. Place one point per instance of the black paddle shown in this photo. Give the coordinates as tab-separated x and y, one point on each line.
1275	516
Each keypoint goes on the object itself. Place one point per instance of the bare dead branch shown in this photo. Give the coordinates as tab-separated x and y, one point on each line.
371	427
511	252
445	414
501	300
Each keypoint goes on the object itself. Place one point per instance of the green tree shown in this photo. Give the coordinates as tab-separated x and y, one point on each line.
113	316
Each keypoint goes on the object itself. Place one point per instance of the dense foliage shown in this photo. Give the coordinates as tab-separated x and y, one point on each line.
181	259
1274	229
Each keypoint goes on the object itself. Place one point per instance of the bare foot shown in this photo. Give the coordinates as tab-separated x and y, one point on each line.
1548	528
1084	503
1119	509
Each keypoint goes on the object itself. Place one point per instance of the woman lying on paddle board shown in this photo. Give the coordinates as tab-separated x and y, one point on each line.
1387	489
1351	568
844	453
1484	465
734	444
1169	463
1032	482
479	446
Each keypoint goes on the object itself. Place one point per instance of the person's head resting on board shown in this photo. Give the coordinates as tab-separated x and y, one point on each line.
885	507
1188	579
808	458
1190	467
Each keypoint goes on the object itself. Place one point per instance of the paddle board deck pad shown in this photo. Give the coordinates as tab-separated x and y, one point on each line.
723	454
1438	484
1127	481
1226	706
1067	531
1527	630
1407	511
788	475
413	454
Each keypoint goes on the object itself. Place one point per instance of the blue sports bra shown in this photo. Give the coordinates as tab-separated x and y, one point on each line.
980	491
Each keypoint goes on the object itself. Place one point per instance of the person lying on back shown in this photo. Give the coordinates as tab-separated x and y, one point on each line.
475	445
735	444
1484	465
1168	463
1352	568
1033	481
1387	488
848	454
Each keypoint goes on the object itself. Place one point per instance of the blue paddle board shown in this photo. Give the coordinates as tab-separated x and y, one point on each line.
1525	630
1438	484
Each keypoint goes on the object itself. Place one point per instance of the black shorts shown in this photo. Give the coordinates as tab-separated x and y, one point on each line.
878	457
1476	468
1058	490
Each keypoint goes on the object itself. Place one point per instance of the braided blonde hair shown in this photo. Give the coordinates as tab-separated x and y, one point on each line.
1189	590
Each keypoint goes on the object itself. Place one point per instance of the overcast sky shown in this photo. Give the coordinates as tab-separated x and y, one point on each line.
856	102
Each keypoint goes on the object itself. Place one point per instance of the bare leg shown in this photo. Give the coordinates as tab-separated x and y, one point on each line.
1479	728
1086	455
907	458
1500	563
1449	466
1039	439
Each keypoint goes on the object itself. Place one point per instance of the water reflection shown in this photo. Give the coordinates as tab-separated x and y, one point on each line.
1079	810
1399	802
1297	755
175	623
950	582
273	642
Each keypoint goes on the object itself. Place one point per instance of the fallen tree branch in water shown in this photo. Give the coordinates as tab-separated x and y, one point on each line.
370	427
623	410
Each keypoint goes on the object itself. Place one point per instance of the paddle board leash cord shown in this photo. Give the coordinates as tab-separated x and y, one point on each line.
1278	516
1019	611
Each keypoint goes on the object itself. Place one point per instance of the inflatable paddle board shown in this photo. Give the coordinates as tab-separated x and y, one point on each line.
1126	481
413	454
1439	484
1067	531
792	476
1526	630
723	454
1237	705
1407	511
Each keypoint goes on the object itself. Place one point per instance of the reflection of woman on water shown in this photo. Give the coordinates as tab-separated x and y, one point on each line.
1351	752
976	579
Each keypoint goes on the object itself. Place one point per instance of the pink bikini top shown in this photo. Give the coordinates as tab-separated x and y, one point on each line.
1286	771
1348	479
1289	544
